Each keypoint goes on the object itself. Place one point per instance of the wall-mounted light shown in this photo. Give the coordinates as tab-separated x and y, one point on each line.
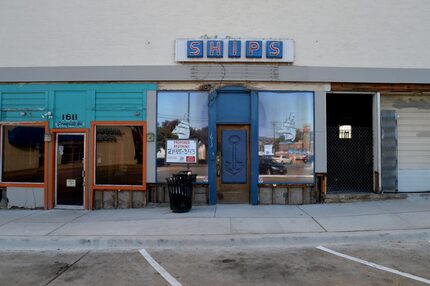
47	137
47	115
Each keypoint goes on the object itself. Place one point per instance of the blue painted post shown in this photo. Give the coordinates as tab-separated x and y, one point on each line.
212	147
254	148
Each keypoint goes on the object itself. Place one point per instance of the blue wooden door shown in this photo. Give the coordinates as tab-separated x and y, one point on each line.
233	164
234	159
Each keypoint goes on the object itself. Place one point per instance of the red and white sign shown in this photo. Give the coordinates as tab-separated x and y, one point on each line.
181	151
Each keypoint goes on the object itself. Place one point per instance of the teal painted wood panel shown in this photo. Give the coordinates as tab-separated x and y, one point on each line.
120	105
70	109
23	106
100	102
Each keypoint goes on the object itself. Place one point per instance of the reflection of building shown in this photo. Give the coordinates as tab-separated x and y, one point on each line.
202	151
307	138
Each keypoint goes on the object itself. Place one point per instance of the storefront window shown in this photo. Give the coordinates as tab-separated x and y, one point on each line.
286	137
23	154
182	115
119	157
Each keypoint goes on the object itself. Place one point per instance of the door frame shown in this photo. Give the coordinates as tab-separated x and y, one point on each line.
215	107
220	127
53	162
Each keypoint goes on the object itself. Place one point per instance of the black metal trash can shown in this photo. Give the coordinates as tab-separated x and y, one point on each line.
181	191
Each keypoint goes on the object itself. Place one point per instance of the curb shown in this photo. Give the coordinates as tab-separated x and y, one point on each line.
77	243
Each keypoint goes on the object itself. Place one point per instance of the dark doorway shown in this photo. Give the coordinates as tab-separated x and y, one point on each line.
349	143
69	169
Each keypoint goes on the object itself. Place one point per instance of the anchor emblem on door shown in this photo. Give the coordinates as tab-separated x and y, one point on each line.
233	165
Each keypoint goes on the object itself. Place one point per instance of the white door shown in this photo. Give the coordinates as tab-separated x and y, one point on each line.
413	139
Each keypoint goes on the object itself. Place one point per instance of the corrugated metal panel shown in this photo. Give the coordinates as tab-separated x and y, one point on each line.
389	150
413	140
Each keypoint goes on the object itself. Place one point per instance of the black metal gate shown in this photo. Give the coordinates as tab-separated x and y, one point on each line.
350	160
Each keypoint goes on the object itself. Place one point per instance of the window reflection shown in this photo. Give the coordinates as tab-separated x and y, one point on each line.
345	132
182	115
286	137
23	154
119	155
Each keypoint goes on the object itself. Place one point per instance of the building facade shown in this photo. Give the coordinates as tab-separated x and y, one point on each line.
281	102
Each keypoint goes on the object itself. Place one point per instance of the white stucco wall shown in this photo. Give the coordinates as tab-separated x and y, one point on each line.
367	33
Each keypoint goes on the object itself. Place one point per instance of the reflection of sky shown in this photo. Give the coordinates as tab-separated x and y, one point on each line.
276	107
174	105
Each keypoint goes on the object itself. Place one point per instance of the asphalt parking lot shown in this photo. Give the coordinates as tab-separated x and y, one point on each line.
223	266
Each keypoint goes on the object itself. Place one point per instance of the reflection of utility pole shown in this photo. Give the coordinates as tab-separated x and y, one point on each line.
189	124
188	110
274	133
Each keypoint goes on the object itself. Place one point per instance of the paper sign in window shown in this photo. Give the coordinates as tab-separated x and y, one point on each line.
71	183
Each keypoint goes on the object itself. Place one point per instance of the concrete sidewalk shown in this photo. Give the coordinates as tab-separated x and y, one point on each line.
215	225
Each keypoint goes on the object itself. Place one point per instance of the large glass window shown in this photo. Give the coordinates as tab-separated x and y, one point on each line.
182	115
118	155
23	154
286	137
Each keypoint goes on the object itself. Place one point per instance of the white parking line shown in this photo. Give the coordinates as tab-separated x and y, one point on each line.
374	265
159	268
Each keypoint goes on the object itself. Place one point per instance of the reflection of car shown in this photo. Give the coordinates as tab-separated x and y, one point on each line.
269	166
308	158
299	156
284	159
160	162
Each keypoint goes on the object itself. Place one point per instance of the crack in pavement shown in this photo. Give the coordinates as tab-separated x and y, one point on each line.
62	271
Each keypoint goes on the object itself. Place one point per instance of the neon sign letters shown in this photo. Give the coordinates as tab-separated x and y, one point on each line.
234	50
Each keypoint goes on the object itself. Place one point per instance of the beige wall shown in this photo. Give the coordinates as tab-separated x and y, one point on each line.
367	33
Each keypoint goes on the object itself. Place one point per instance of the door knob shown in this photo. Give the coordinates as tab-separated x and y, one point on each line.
218	165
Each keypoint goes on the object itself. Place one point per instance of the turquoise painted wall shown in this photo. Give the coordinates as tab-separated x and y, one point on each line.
73	105
82	102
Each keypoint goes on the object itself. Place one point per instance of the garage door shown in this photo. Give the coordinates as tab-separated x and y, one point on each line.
412	112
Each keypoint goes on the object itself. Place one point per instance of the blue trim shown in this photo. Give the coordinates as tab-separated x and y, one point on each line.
233	89
212	147
212	129
254	148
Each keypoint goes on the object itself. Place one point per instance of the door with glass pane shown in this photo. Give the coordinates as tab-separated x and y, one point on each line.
70	169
